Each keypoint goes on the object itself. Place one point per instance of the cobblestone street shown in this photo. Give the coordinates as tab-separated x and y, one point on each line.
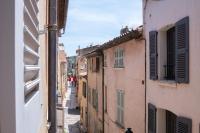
72	115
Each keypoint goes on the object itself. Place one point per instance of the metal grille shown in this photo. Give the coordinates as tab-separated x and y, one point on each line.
31	48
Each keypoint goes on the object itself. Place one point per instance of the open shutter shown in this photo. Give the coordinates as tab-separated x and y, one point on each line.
31	48
151	118
182	50
153	54
183	125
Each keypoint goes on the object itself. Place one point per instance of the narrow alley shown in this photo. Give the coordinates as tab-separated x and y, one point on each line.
72	114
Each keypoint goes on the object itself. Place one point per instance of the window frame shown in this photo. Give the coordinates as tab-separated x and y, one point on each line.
119	58
120	108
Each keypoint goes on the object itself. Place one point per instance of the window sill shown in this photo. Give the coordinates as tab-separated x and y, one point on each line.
119	67
168	83
119	125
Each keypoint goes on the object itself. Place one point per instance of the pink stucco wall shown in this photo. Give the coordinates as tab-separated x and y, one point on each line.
130	80
181	99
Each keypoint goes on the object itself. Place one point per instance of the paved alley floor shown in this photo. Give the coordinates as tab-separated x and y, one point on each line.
72	115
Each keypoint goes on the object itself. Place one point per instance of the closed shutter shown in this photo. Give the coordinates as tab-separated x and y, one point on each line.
120	107
182	50
94	65
151	118
153	54
97	103
97	64
31	48
183	125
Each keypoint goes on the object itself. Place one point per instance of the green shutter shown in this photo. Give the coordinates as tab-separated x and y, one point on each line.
182	50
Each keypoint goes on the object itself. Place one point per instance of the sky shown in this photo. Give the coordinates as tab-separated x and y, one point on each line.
98	21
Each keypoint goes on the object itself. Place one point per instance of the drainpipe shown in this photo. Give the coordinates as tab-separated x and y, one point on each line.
52	64
87	96
145	84
102	90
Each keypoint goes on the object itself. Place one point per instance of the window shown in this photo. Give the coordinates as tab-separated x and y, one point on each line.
84	89
89	95
105	99
170	66
95	99
151	118
160	120
174	58
105	60
95	64
119	58
120	107
170	122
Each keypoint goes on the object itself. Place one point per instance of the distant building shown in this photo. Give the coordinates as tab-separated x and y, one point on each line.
124	83
95	92
71	65
82	76
62	71
172	34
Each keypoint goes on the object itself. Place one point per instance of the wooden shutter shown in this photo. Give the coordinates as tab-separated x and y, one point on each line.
97	64
182	50
153	54
151	118
183	125
94	64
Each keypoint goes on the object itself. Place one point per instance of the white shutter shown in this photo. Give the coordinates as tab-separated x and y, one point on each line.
31	48
120	107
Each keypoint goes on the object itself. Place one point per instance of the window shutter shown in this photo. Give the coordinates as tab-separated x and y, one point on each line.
182	50
153	54
97	104
31	49
151	118
97	64
183	125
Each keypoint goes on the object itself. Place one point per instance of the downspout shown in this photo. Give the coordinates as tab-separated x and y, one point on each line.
145	82
145	86
102	90
87	95
52	64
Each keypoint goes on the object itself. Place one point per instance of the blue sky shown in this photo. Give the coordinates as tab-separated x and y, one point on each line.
98	21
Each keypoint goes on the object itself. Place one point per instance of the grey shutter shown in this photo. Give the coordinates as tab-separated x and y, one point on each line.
182	50
151	118
183	125
153	54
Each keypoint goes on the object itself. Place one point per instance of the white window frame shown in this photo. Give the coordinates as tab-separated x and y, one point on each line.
119	58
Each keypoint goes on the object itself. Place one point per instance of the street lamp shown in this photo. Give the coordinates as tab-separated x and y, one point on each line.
129	130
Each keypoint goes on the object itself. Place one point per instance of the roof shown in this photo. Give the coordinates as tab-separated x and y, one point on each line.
133	34
84	51
62	13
